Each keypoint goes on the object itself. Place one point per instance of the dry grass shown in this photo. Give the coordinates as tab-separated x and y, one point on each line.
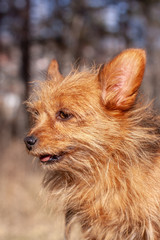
22	212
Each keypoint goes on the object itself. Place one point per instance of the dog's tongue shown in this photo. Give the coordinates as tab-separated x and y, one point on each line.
45	158
49	158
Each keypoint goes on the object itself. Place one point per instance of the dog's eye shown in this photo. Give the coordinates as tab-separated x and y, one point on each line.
63	115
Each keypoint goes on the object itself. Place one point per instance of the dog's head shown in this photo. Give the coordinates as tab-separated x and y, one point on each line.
81	115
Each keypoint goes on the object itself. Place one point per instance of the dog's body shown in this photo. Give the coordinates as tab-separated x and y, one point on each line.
100	148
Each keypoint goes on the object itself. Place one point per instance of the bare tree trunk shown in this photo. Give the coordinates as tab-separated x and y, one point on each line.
25	51
25	48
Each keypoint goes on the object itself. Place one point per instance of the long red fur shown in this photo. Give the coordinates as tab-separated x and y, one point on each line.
109	177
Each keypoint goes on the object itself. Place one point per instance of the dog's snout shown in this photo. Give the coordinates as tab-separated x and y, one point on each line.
30	142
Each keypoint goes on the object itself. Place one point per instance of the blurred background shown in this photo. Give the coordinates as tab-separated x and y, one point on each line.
32	32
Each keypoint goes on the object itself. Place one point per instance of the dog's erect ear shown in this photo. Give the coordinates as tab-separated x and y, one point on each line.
121	78
53	71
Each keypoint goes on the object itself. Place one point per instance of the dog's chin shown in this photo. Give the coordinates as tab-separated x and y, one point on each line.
48	159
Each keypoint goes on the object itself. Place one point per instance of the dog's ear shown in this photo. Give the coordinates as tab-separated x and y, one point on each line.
121	78
53	71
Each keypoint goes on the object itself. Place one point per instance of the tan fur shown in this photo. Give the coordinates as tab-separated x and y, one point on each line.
109	176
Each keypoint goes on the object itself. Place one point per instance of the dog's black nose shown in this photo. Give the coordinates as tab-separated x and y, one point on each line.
30	142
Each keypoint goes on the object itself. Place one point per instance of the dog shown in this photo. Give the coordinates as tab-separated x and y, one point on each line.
100	144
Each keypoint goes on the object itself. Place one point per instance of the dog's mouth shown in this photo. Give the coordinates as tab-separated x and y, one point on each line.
49	159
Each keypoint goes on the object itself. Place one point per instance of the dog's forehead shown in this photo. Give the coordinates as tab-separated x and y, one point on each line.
74	83
77	88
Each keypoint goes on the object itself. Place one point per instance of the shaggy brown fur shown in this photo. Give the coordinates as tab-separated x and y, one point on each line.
100	148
